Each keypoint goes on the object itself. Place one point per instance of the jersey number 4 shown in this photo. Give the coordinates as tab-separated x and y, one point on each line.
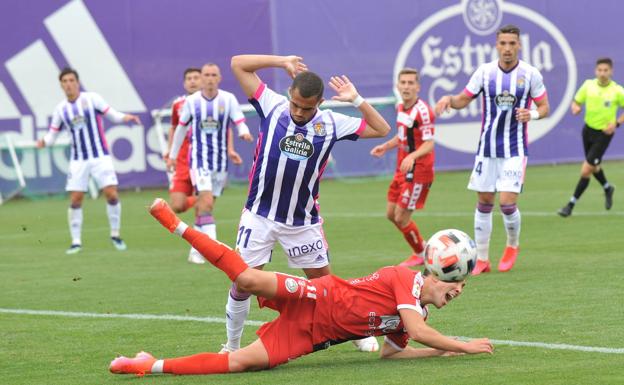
478	168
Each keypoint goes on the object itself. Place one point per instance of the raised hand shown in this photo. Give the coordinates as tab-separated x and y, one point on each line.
344	89
294	65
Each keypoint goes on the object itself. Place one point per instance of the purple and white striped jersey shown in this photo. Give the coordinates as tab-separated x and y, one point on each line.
210	120
83	119
289	160
502	136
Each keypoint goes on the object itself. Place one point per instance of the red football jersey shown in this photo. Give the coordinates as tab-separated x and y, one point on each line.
367	306
183	155
419	120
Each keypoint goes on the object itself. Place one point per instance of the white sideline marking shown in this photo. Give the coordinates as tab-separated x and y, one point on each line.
162	317
375	214
171	317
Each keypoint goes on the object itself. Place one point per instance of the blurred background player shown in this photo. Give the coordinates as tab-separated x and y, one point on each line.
318	313
508	86
81	115
181	192
602	97
293	148
209	113
414	171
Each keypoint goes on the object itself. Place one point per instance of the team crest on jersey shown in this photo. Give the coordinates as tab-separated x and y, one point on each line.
505	101
319	129
416	287
296	147
209	125
607	103
520	83
291	285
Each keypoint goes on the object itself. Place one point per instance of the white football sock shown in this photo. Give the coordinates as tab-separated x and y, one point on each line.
114	218
482	231
236	313
512	226
74	217
209	229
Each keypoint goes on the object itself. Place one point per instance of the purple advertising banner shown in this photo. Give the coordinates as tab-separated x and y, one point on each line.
133	53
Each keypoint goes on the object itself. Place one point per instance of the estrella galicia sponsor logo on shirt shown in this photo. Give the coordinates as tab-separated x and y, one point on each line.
296	147
78	122
505	101
209	125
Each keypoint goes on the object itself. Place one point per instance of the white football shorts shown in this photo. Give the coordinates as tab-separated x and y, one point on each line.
304	246
100	169
207	180
498	174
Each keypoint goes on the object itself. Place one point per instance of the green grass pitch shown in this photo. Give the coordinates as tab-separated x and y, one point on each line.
566	288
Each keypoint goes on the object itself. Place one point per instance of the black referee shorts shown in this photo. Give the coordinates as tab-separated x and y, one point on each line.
595	144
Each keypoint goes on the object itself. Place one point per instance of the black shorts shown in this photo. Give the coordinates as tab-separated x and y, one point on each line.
595	143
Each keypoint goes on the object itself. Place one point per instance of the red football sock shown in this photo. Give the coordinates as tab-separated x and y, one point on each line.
413	237
202	363
190	202
221	256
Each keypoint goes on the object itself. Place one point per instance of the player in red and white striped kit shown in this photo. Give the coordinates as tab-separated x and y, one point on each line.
414	170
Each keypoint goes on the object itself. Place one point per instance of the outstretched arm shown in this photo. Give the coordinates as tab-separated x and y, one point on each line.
456	102
389	352
376	125
380	150
419	331
244	68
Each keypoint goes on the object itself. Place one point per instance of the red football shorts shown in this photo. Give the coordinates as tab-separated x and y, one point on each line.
408	195
290	335
181	180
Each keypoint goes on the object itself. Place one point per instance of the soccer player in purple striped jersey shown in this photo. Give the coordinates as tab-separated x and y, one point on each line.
294	143
508	87
208	114
81	114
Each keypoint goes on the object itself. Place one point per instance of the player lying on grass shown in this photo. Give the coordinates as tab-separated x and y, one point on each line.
318	313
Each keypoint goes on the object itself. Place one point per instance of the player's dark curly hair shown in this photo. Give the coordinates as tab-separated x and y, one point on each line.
308	84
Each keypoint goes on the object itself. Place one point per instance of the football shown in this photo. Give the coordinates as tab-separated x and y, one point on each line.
450	255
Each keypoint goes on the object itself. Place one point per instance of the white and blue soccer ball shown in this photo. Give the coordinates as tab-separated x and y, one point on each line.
450	255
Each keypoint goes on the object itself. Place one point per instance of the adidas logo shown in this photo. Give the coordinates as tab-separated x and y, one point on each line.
34	69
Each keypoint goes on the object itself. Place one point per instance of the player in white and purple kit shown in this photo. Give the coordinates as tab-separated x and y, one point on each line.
508	87
209	113
294	144
81	114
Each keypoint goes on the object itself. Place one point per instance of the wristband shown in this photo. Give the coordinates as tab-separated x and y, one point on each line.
534	115
357	102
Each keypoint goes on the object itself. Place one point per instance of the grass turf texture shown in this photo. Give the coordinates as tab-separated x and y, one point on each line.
565	288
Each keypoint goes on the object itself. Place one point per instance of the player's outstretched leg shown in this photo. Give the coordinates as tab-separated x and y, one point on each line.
220	255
